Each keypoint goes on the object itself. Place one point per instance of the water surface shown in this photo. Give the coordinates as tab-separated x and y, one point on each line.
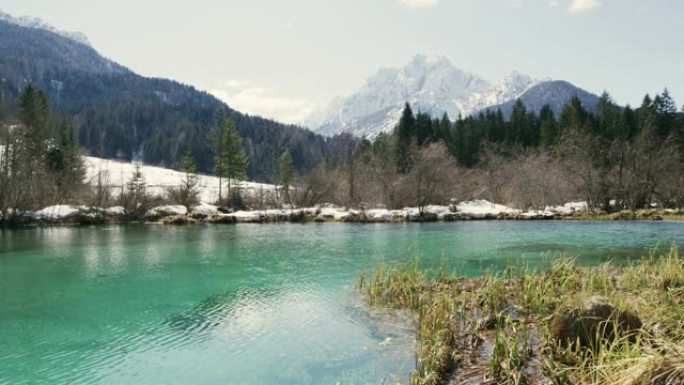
247	304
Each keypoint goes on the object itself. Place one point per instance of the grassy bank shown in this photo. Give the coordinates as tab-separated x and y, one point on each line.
638	215
566	325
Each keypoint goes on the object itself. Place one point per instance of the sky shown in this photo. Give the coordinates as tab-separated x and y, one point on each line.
285	58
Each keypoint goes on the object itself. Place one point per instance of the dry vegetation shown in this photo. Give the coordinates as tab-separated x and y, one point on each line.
567	325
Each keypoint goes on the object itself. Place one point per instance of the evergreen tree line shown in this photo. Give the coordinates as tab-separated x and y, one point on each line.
534	129
40	159
41	165
117	114
614	158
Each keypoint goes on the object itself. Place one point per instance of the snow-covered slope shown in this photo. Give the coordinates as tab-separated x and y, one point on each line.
30	22
115	174
430	84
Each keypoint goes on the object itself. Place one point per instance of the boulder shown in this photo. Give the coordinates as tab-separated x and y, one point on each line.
595	321
178	220
423	217
623	216
203	211
222	219
159	212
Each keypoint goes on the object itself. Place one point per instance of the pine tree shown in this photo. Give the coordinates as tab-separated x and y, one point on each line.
286	175
64	161
216	139
423	131
189	190
628	125
444	132
34	113
573	117
405	131
548	127
608	118
230	160
135	199
666	111
518	125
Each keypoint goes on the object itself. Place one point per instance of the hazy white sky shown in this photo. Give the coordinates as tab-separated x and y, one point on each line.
283	58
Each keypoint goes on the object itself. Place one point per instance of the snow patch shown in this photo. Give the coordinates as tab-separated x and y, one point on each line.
481	208
163	211
569	208
116	174
57	212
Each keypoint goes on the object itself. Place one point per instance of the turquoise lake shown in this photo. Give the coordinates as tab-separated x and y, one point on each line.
248	304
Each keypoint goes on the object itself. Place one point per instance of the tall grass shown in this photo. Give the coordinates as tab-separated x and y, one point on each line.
517	312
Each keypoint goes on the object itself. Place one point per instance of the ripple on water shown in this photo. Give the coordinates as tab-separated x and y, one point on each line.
244	305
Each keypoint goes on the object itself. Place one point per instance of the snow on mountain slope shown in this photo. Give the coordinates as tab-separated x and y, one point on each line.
115	175
430	84
30	22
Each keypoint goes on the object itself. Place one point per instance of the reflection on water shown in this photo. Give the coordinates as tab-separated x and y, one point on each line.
261	304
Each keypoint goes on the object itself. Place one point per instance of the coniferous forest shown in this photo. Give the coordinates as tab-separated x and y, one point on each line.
614	159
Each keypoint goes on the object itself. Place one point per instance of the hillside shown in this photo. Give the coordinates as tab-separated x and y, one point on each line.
119	114
555	93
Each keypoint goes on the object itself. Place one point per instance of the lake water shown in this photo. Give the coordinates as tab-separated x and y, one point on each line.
247	304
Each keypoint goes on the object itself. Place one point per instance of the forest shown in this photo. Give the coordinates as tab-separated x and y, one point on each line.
118	114
615	159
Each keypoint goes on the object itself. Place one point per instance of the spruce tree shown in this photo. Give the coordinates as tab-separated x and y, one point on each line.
286	175
34	114
64	161
423	131
548	127
230	160
518	125
216	141
573	116
666	111
405	131
135	199
444	132
189	190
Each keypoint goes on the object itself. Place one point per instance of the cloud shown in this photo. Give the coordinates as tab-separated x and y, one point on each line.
419	3
254	100
577	6
235	83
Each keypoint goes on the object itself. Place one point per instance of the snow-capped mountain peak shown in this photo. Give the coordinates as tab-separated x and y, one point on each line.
431	84
36	23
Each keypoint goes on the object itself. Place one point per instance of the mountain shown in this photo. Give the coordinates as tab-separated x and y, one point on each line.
120	114
435	86
37	23
555	93
430	84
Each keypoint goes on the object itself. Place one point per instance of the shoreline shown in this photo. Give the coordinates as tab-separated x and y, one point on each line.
173	215
562	324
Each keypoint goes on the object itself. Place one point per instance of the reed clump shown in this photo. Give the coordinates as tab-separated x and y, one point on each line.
605	325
